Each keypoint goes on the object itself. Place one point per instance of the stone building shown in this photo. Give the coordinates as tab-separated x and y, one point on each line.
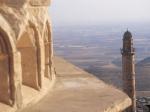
128	69
27	69
25	48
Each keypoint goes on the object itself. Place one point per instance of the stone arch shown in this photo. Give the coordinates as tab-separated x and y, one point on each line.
28	45
7	86
10	36
48	50
12	61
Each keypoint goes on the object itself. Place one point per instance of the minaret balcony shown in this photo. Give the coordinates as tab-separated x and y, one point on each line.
128	51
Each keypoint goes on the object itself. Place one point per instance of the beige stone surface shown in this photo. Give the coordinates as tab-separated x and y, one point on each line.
40	2
6	108
25	39
78	91
30	96
20	3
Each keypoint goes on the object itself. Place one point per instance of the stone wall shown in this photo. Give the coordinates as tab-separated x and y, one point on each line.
20	3
26	50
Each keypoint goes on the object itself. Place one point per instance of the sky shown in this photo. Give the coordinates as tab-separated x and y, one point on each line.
99	11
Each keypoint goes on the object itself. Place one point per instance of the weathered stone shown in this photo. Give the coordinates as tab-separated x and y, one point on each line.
40	2
16	3
25	48
128	69
19	3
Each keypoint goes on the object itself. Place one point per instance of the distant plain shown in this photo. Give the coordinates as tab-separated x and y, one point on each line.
96	49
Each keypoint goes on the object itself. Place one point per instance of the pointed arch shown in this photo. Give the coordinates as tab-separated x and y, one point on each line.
39	53
9	36
7	81
47	38
29	47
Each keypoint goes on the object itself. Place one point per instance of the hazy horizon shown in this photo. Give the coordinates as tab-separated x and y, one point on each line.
72	12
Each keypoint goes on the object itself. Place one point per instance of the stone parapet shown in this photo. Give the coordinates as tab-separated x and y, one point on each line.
80	91
40	2
19	3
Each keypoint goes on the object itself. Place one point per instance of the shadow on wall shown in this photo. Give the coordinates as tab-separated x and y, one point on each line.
28	65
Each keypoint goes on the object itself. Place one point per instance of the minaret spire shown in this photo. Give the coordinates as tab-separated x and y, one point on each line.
128	69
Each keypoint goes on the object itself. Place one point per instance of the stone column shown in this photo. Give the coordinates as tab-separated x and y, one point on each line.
128	69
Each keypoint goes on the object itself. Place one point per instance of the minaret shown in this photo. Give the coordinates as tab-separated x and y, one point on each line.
128	69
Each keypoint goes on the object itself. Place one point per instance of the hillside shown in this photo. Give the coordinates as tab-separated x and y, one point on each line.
145	62
96	49
143	74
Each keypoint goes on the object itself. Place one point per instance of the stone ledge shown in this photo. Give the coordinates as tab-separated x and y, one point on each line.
40	2
30	96
13	2
78	91
18	3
